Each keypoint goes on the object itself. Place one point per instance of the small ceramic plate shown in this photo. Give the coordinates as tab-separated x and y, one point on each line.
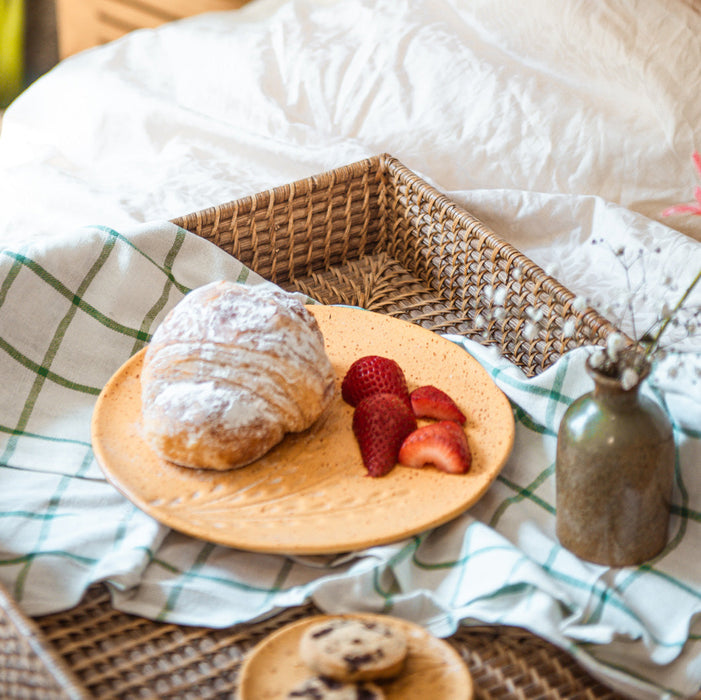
433	669
311	494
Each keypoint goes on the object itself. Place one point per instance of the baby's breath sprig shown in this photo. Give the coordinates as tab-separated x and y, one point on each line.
628	358
630	362
493	310
652	345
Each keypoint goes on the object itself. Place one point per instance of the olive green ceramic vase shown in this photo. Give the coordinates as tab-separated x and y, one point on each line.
614	474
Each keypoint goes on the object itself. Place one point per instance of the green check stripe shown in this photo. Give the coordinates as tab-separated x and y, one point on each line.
503	376
53	349
43	371
679	429
226	582
165	293
384	581
686	513
523	493
8	281
75	298
452	563
49	553
280	578
34	393
689	432
37	436
51	513
508	591
385	584
555	395
596	591
527	421
154	560
193	574
123	528
670	579
196	575
165	269
605	598
141	335
184	578
462	570
648	567
30	515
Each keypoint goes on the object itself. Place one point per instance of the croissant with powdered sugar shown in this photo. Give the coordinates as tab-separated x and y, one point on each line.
229	372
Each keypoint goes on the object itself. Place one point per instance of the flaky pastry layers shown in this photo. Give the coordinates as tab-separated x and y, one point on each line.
230	371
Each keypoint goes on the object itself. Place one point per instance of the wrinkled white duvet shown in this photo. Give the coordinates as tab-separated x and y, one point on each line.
555	123
559	124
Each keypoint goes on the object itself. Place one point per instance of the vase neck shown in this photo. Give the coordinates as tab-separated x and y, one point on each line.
611	390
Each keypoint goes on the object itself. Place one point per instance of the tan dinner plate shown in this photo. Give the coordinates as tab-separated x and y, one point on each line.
432	669
311	494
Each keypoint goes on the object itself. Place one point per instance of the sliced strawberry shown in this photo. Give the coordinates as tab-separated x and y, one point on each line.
373	374
380	424
442	444
431	402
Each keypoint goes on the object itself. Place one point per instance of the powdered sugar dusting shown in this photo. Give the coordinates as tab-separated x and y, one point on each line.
234	366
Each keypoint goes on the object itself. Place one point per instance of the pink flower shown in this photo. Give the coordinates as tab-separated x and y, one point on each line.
689	208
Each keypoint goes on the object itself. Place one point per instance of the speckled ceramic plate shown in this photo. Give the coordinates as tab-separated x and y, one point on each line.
310	494
432	669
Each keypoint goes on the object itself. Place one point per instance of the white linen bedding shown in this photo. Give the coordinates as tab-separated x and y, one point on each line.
556	123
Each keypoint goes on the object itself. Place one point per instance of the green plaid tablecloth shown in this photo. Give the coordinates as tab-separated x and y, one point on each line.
73	311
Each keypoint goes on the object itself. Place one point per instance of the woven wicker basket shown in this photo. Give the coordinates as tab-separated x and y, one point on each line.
370	234
374	234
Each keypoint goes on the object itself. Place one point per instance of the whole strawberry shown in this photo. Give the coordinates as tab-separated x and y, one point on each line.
381	422
373	374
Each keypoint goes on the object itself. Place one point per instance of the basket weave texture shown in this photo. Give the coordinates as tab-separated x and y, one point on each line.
374	234
371	234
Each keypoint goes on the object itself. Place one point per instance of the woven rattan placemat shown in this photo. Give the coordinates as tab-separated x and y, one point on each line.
114	655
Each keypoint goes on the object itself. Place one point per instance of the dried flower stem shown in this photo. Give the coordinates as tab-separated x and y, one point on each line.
652	346
631	308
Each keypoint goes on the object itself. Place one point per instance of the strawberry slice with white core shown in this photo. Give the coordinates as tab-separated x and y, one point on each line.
373	374
431	402
380	424
442	444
